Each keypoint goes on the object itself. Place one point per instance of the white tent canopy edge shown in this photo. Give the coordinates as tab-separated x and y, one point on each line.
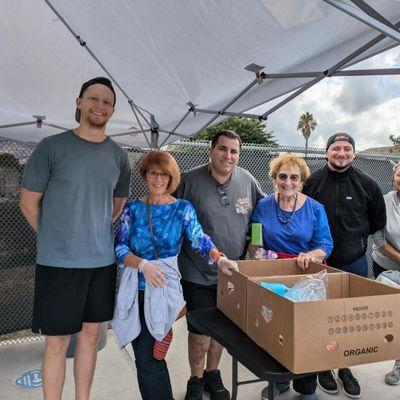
195	53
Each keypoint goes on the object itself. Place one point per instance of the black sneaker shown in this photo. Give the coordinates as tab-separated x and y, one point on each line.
350	384
279	389
214	386
194	389
326	381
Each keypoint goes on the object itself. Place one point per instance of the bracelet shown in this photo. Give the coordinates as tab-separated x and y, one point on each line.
220	255
141	264
217	256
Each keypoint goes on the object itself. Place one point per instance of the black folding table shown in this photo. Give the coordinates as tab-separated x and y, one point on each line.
211	322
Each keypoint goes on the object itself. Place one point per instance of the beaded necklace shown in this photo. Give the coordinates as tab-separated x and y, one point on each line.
282	219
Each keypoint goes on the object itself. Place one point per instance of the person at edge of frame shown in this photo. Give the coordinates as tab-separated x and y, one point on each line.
386	248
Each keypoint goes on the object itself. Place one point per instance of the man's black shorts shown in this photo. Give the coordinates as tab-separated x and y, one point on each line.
198	296
66	297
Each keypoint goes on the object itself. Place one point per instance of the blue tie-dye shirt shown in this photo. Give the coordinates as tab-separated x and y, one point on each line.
171	222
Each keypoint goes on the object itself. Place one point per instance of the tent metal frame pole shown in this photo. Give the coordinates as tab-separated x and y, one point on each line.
365	18
175	128
236	98
138	121
102	66
292	96
175	134
353	72
128	133
229	113
368	72
17	124
311	74
63	128
342	63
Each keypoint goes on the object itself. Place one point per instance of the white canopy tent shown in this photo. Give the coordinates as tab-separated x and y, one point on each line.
178	65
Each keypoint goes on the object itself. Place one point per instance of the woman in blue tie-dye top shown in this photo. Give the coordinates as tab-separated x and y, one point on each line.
171	220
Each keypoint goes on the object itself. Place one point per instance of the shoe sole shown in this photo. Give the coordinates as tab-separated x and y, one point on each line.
392	383
327	390
352	396
285	389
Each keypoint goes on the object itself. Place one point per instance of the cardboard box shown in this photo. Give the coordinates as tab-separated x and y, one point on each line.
358	323
232	290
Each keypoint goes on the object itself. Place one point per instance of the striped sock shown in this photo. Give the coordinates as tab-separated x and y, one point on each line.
161	347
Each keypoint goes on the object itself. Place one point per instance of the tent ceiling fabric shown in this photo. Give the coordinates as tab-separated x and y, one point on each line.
164	54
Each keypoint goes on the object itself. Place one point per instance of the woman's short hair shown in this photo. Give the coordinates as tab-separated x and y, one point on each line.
166	163
288	160
395	167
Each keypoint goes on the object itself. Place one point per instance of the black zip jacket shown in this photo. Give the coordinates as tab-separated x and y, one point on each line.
355	207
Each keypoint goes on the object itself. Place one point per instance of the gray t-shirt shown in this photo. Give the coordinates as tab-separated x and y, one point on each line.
78	179
226	224
390	234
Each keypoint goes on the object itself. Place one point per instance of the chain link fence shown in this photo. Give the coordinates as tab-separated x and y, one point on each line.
17	240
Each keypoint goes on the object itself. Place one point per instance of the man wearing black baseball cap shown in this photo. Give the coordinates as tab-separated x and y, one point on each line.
355	208
95	81
74	185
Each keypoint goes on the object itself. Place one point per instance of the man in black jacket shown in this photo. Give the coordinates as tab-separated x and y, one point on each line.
355	207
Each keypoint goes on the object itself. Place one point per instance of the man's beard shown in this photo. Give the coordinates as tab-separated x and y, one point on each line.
340	167
96	126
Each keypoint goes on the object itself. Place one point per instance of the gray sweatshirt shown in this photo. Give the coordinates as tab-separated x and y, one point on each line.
390	234
162	305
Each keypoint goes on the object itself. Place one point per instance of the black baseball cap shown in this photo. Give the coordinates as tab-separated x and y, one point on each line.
340	137
99	80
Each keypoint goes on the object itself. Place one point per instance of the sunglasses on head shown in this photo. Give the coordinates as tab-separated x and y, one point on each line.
293	177
223	196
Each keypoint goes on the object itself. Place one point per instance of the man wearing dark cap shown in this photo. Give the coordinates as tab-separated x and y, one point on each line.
73	188
355	207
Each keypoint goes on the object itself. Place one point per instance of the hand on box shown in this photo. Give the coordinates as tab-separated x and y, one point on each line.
153	273
227	266
304	259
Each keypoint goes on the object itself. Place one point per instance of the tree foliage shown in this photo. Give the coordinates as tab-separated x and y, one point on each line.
307	123
250	131
396	142
9	160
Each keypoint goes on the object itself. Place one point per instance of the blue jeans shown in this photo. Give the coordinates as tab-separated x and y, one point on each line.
358	267
152	374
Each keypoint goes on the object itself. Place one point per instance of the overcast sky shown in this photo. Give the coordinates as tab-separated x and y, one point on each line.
366	107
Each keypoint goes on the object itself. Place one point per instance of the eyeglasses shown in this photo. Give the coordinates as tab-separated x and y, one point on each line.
154	175
223	196
293	178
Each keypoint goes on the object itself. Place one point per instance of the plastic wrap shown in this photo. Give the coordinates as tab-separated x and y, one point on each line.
309	288
391	278
262	254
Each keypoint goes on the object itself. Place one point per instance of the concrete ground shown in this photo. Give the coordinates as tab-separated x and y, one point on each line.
115	374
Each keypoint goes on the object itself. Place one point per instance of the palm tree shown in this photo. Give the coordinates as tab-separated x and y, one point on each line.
306	125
